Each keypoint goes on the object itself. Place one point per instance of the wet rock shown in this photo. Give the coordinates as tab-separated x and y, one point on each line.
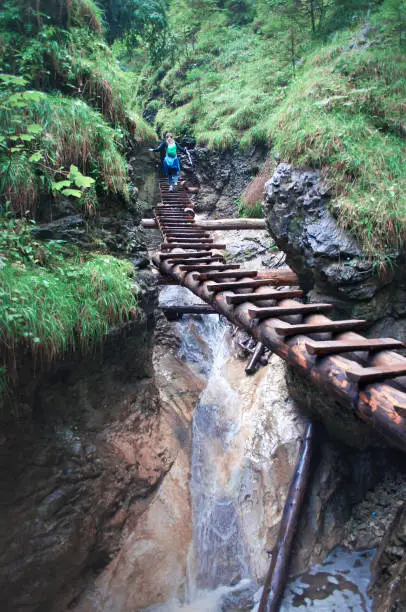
81	441
223	176
240	599
330	264
389	568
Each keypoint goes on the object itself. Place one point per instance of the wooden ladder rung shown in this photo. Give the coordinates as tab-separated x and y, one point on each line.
197	240
268	295
334	347
220	275
194	255
192	260
188	234
282	311
210	268
262	282
165	246
365	376
317	328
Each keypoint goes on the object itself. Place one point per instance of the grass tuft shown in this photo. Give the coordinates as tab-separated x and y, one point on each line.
53	300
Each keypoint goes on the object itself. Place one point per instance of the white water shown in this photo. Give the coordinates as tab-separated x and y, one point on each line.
218	568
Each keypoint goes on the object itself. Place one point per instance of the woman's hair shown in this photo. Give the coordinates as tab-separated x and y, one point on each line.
168	135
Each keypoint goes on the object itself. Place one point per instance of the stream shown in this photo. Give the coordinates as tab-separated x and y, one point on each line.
221	571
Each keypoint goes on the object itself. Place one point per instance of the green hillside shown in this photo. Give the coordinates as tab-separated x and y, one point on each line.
327	91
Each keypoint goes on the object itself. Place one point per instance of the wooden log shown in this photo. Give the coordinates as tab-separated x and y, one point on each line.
191	245
268	295
334	347
278	571
217	276
310	328
273	280
283	311
219	224
375	404
254	361
173	313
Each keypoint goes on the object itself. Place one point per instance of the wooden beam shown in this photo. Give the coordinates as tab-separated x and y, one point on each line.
283	311
272	280
179	256
190	240
255	359
366	376
202	260
218	276
278	571
267	295
219	224
373	404
191	245
173	313
200	267
317	328
334	347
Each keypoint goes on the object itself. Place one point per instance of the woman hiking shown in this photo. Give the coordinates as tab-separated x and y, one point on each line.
169	157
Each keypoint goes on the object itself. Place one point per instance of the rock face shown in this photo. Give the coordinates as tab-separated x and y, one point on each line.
113	228
150	567
84	442
329	262
389	586
223	176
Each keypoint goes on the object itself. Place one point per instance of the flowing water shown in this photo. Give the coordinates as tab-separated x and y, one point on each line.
219	577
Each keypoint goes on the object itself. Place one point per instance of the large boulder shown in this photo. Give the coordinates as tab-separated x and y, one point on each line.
328	260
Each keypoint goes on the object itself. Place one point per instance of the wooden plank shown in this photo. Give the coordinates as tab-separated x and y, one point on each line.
309	328
203	259
195	255
189	240
262	282
334	347
184	234
216	276
218	224
283	311
219	266
191	245
268	295
365	376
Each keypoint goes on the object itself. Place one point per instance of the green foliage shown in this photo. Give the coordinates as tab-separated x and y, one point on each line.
333	102
250	212
52	299
73	135
138	23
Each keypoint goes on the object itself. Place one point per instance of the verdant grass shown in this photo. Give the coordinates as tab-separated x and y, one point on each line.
342	111
252	211
65	307
52	299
